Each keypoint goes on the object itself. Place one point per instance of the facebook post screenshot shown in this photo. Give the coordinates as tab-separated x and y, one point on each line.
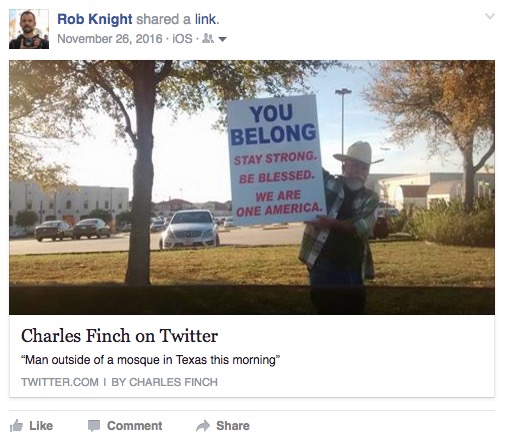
286	230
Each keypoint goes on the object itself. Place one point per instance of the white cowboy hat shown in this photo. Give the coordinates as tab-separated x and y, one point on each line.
361	151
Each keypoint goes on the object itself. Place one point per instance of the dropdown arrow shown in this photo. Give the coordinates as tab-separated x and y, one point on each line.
490	16
224	38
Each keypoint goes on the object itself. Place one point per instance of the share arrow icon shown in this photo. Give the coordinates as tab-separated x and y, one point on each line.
222	38
205	425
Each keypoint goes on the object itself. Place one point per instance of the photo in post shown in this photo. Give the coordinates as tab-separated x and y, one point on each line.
413	266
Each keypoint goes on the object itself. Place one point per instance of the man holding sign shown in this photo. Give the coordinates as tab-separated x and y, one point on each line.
335	246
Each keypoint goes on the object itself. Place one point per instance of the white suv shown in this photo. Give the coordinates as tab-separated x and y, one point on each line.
195	227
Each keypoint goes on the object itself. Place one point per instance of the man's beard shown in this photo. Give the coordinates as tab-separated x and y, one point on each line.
27	30
353	183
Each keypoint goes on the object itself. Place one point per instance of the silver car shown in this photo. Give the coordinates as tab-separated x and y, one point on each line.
157	225
53	229
387	210
195	227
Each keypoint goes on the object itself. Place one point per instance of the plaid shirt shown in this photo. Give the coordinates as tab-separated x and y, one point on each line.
364	216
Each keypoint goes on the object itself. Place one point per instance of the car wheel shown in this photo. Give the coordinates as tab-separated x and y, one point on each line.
77	237
39	239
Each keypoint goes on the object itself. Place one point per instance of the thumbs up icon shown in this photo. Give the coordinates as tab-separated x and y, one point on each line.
16	426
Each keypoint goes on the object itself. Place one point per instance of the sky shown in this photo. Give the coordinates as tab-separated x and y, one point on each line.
191	158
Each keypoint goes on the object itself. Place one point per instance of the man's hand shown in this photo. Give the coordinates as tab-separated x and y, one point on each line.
36	43
325	222
322	222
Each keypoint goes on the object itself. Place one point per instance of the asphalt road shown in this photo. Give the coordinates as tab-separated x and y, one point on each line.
244	236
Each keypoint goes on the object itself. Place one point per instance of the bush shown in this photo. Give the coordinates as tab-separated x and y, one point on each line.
124	217
26	218
449	223
401	223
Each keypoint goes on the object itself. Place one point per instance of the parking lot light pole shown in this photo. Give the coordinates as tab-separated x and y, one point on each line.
111	212
343	92
26	196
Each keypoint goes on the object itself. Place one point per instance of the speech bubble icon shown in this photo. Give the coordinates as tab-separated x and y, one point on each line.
94	425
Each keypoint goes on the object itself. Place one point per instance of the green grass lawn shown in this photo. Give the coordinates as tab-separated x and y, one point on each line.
412	278
400	263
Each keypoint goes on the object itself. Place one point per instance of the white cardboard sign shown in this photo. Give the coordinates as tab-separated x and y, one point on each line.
275	160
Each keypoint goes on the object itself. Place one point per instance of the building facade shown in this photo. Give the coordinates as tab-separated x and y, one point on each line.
398	191
168	208
67	203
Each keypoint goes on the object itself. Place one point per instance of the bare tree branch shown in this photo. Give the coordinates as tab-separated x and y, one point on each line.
101	81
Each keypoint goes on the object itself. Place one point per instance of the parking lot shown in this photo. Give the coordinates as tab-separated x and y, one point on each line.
237	236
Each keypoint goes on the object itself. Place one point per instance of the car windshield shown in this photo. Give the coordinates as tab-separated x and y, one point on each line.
88	222
50	224
158	222
191	217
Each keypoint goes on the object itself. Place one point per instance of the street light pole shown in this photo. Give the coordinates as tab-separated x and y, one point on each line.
343	92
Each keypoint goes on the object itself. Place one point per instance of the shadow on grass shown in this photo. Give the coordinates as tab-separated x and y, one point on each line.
237	300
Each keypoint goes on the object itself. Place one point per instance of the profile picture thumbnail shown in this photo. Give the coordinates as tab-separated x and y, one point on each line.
28	29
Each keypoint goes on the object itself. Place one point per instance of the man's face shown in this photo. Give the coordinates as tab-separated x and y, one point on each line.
355	173
27	23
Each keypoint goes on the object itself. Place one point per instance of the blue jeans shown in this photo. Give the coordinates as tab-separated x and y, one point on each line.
336	291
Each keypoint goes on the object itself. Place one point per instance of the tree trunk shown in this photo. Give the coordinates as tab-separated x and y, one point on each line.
468	175
138	271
